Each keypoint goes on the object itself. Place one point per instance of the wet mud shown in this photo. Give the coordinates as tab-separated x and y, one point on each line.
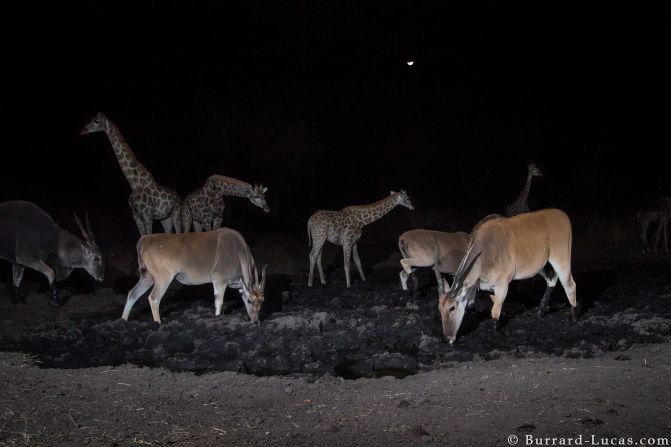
373	329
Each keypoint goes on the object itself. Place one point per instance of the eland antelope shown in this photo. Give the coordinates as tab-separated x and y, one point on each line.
221	257
30	238
505	249
418	249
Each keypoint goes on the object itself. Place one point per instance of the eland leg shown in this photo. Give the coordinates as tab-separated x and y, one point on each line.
499	296
219	291
135	293
43	268
17	276
155	298
551	280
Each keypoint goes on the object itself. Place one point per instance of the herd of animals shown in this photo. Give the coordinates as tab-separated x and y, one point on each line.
497	251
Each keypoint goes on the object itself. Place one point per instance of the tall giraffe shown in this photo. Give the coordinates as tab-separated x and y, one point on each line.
344	228
521	204
660	214
148	200
204	207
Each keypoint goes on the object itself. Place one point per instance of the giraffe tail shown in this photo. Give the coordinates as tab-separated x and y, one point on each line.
309	233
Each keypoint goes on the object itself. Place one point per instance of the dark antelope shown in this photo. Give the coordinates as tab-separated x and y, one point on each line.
30	238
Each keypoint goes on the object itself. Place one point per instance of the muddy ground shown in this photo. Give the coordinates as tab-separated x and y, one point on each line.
362	366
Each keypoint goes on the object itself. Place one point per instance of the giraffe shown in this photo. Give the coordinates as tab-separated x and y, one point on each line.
344	228
521	204
204	207
148	200
659	213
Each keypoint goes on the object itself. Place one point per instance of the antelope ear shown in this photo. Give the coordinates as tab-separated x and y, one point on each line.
446	285
264	189
391	193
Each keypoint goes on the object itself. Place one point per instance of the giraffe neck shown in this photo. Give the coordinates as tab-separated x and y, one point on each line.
367	214
219	186
524	195
136	174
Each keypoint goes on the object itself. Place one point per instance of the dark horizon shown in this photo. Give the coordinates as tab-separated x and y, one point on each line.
317	103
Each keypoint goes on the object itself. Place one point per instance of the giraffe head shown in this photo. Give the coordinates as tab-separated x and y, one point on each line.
258	197
97	124
403	199
534	171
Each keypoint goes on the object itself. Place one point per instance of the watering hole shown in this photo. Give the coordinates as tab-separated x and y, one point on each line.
373	329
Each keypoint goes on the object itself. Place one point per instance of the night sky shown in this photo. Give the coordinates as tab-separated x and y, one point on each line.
316	101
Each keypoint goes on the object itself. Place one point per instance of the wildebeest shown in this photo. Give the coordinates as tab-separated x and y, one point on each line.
29	237
221	257
502	250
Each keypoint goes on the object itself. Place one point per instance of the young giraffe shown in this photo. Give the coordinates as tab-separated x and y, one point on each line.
148	200
521	204
204	207
659	213
344	228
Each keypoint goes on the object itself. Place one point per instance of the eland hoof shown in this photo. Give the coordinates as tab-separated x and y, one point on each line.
575	312
54	297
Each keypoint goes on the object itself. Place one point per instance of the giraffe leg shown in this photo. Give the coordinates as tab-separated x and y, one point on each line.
658	234
197	227
148	225
219	215
167	225
315	256
176	216
357	261
319	267
643	236
347	254
185	214
140	224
